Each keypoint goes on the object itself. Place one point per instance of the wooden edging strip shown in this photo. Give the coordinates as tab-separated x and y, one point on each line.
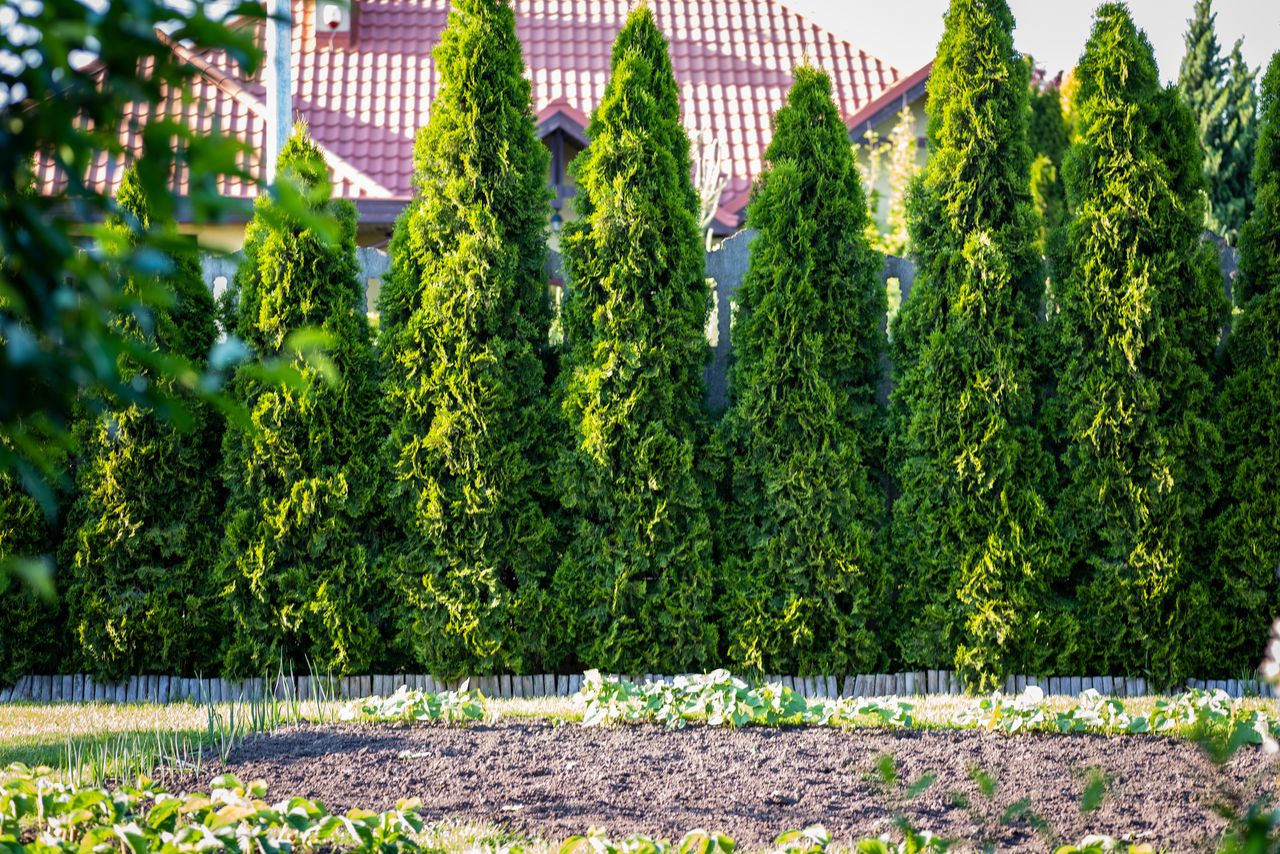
78	688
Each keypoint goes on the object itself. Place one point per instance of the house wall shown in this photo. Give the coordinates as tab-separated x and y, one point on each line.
883	130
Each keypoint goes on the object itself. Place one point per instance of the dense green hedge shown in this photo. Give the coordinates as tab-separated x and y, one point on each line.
464	338
1141	308
634	586
298	575
471	499
143	531
803	572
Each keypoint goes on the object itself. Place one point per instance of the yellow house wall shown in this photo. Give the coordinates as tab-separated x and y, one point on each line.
883	130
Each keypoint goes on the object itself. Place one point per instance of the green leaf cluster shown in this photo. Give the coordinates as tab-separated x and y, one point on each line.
804	506
297	573
465	318
978	556
1247	530
143	531
633	589
1140	312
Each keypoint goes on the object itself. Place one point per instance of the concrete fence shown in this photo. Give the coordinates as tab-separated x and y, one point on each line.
726	265
173	689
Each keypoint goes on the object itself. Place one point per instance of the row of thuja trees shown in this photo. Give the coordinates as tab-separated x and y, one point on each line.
1066	477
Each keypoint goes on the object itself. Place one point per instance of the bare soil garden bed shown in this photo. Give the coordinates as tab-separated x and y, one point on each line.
555	781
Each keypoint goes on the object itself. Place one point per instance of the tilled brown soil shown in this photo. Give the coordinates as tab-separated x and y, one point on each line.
555	781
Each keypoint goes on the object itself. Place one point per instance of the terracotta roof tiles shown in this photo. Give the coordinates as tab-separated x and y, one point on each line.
366	94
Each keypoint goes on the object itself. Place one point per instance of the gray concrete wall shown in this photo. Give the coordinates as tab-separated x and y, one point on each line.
726	265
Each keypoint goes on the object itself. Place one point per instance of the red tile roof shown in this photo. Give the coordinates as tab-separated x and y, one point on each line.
364	95
902	92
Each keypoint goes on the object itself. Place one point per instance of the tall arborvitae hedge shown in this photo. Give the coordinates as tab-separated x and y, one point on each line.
297	571
141	537
1141	309
634	585
802	570
1248	529
974	540
466	320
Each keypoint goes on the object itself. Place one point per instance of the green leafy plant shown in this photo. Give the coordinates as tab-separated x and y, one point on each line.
694	842
721	699
60	306
412	704
978	558
802	501
634	587
233	817
1105	845
1008	714
464	317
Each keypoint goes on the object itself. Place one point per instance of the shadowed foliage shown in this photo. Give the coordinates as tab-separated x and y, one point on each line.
1248	530
142	533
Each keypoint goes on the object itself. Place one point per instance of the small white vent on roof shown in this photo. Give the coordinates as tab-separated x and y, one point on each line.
333	16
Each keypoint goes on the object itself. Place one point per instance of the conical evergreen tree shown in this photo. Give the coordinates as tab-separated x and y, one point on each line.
1248	530
1141	309
973	536
1232	194
141	539
803	423
466	325
297	568
635	582
1202	80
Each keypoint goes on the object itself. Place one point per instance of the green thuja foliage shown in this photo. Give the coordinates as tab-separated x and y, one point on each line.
141	542
297	568
976	549
803	424
1247	558
1141	309
634	585
33	638
465	326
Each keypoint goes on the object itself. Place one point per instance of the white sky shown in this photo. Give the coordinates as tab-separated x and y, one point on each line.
905	32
